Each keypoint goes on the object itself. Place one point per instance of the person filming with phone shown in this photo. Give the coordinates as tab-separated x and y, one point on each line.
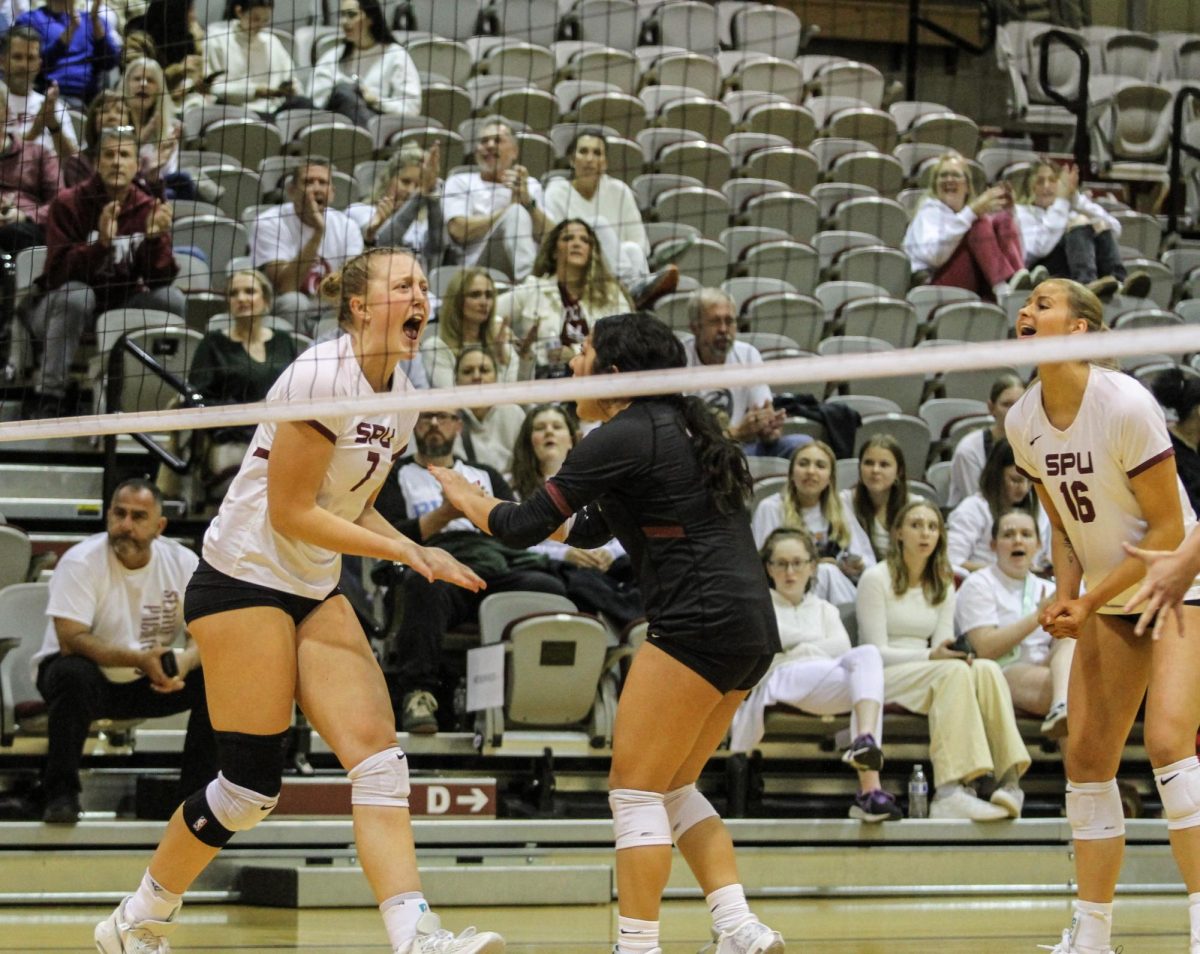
964	239
116	646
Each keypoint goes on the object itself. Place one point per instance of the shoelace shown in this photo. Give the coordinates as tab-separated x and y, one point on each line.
145	943
443	941
1064	946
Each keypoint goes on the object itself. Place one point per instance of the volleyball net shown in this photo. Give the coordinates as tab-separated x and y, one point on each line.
775	151
1143	352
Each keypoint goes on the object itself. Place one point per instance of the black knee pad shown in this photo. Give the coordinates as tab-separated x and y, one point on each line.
252	761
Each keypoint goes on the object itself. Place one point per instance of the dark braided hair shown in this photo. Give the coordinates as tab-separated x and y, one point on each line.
640	341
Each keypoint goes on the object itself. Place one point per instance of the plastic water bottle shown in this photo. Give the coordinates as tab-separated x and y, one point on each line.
918	793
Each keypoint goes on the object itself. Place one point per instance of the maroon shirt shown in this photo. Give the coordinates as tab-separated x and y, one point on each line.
29	177
134	263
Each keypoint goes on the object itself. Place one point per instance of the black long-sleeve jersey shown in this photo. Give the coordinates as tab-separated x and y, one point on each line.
637	478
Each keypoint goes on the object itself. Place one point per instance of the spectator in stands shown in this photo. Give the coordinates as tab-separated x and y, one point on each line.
29	180
966	464
906	608
819	672
467	317
605	203
495	214
158	128
237	364
249	65
413	502
171	24
1071	236
406	208
300	242
115	613
1002	487
107	111
551	311
749	414
77	49
109	247
597	580
1182	395
966	240
997	609
488	433
31	115
881	491
371	73
810	501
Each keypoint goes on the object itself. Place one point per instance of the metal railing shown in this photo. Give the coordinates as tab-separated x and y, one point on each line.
917	22
1178	195
1077	105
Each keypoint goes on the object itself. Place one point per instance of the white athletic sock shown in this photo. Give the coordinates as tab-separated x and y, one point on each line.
151	901
1011	777
401	913
636	937
1091	930
728	906
1194	917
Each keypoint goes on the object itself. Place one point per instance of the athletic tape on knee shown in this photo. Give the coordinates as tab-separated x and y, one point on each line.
686	808
639	818
381	779
1179	788
221	808
1094	810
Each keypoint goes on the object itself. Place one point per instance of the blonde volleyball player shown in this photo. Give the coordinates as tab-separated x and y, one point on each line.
273	628
1096	445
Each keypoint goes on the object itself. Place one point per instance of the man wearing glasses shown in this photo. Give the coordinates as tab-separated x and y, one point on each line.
413	502
495	217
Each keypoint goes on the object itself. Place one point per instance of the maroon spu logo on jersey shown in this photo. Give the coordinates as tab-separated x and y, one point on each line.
1068	462
375	434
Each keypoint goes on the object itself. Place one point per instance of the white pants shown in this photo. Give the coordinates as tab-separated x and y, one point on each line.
625	259
819	686
510	246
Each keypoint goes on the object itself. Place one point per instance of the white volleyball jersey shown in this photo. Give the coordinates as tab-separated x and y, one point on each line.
1086	469
241	543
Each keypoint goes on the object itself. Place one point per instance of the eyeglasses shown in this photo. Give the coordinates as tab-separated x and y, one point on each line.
436	417
788	566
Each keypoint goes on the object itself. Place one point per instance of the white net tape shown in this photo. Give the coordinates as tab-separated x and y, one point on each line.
833	368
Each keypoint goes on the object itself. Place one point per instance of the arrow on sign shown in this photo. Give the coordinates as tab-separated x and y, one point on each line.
477	799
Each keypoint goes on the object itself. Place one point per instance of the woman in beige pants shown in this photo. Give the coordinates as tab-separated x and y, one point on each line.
906	609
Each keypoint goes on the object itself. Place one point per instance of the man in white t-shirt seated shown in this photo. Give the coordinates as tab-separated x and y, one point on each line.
752	418
31	115
495	216
116	645
300	242
413	502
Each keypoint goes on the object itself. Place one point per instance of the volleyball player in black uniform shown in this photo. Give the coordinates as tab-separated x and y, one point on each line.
661	477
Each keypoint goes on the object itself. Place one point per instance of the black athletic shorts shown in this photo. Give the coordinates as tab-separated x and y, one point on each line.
1134	617
210	591
725	671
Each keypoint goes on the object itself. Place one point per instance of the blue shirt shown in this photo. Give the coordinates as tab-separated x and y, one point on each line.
76	69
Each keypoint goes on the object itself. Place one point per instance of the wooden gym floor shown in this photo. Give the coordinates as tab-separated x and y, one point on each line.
984	925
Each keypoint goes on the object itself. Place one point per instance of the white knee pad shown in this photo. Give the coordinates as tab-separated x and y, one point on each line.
236	808
1179	788
686	808
381	779
639	818
1094	810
